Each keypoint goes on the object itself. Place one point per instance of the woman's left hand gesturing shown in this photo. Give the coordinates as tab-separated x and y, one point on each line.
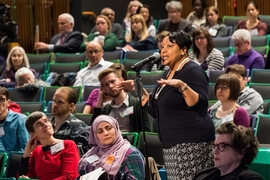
172	82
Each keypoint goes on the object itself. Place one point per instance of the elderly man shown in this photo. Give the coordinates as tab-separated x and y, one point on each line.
245	55
88	76
67	41
116	27
175	22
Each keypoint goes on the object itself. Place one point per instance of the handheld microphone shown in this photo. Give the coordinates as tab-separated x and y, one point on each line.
149	59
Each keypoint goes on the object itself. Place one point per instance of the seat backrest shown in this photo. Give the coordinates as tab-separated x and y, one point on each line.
132	137
221	42
31	106
61	68
260	76
226	51
13	163
86	118
229	30
39	58
111	55
40	68
3	160
87	91
154	146
49	92
139	55
262	89
262	131
266	107
147	78
232	20
69	57
26	96
214	74
258	41
80	107
265	19
211	92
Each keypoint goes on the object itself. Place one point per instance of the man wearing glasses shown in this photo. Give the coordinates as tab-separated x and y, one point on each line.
88	76
244	54
116	27
13	134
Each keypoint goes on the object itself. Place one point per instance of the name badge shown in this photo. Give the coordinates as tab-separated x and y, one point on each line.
128	111
2	131
228	118
254	32
57	147
92	158
213	32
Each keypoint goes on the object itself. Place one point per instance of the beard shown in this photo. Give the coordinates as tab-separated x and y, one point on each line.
114	93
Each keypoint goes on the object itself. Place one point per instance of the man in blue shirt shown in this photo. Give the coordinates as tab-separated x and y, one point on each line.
13	134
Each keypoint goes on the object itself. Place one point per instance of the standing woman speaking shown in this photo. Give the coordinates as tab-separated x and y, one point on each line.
179	102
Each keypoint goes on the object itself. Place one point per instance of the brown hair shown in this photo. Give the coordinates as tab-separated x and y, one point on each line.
107	20
216	10
121	68
243	140
72	96
4	91
108	71
232	81
238	69
144	31
210	42
32	118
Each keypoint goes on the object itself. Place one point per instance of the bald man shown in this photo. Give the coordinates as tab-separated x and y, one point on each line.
116	27
88	76
67	41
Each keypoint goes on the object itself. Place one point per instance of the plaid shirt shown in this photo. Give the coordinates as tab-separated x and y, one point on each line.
73	129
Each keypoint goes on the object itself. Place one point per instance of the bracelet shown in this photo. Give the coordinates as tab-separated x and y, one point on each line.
182	90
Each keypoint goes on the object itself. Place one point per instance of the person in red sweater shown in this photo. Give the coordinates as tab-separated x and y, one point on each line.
46	157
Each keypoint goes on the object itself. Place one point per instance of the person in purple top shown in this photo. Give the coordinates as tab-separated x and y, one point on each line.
244	54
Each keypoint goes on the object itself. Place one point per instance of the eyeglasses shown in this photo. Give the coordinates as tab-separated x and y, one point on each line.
2	100
221	146
238	44
41	123
91	52
200	38
222	88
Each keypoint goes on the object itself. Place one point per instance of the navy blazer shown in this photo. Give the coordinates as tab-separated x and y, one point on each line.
71	44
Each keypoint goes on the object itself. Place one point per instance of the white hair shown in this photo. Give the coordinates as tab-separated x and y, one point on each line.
175	5
68	17
241	34
23	71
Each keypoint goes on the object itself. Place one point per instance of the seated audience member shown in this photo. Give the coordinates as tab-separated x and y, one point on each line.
253	24
103	36
131	10
67	41
116	27
244	54
124	107
227	89
46	157
234	149
107	142
13	133
93	97
197	17
248	98
25	80
16	59
204	53
65	125
139	39
144	10
175	22
214	23
88	76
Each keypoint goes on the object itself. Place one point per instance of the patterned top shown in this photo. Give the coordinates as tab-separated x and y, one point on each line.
72	129
214	60
195	20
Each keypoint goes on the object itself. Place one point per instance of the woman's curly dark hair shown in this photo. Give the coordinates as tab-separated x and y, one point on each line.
181	38
243	140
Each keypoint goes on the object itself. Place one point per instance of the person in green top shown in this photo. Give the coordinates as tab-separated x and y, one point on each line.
107	40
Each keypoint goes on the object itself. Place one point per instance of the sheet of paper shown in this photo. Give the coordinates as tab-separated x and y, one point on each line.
94	175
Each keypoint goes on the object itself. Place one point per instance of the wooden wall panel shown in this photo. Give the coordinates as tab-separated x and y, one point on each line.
59	7
264	6
226	7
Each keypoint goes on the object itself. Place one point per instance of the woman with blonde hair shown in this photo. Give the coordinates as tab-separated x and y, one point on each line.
16	59
131	10
139	38
106	39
